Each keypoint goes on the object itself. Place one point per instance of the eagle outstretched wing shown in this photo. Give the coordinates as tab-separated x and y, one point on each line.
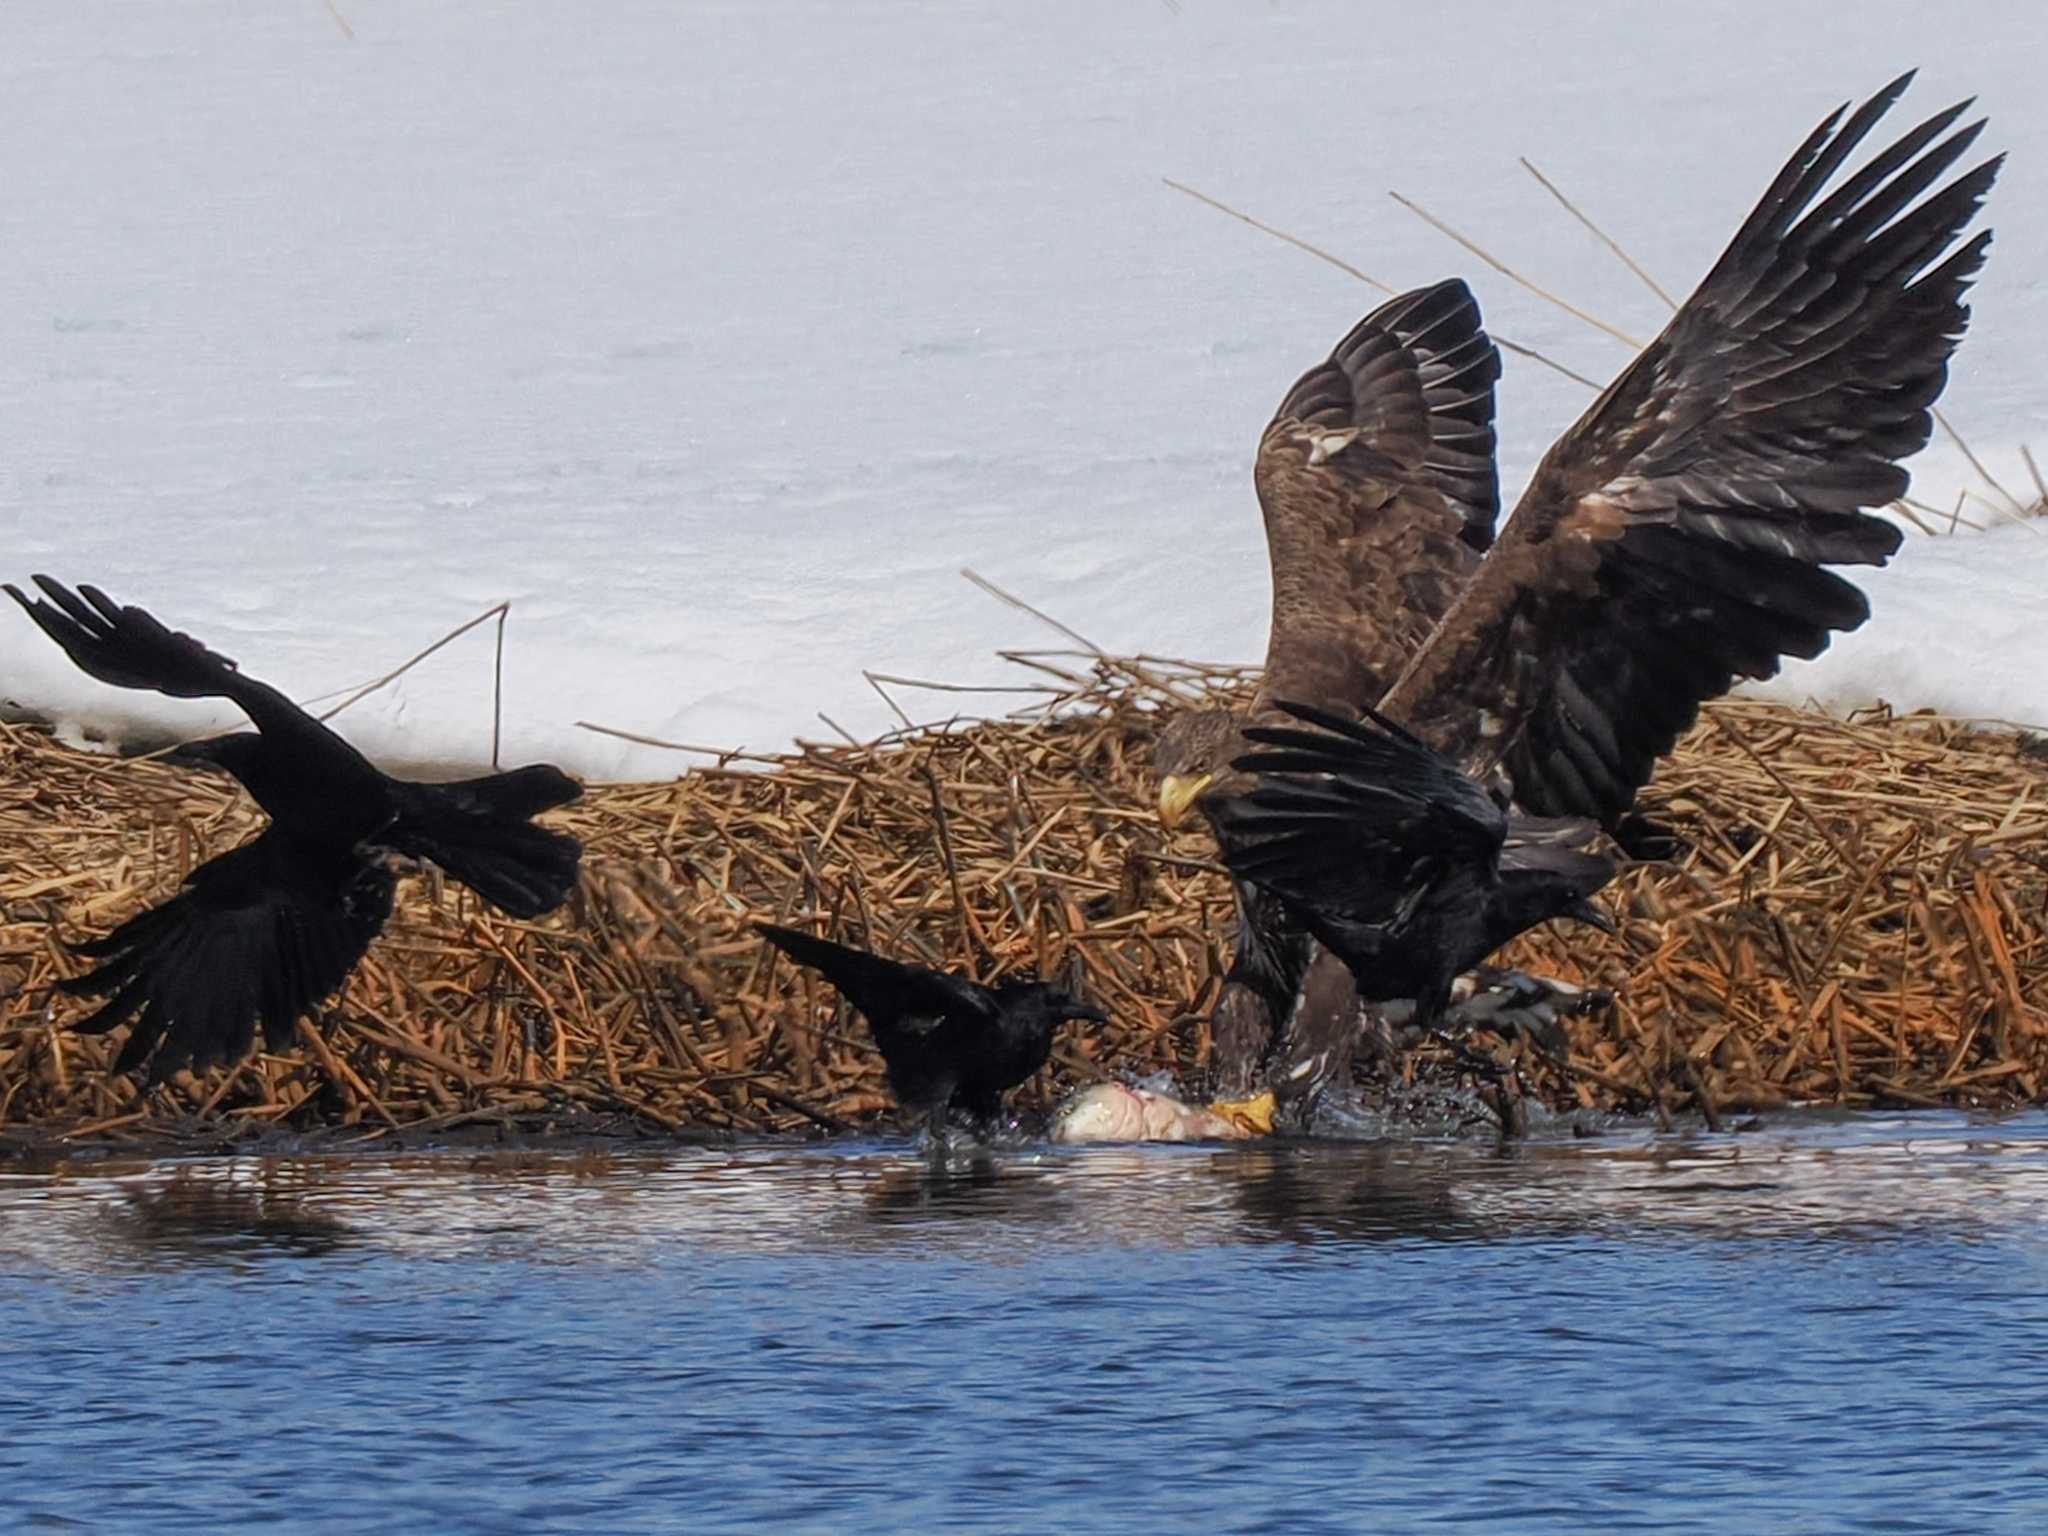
1676	537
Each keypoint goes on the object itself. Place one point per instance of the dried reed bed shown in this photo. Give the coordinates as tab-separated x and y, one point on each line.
1858	916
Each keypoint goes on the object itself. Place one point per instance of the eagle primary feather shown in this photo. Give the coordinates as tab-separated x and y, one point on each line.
1677	537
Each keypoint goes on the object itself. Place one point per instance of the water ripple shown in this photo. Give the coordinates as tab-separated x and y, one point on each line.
1834	1323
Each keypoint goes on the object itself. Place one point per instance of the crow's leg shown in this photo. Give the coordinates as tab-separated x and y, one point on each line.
1509	1001
1502	1084
938	1138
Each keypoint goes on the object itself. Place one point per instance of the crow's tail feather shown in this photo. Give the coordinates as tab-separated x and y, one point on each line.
477	830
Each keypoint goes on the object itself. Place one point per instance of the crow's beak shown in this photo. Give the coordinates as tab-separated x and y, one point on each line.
1088	1011
1177	793
1586	910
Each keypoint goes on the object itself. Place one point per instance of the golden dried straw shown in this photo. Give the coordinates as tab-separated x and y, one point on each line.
1858	918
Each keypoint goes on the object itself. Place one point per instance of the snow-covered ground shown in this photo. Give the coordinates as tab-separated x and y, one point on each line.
719	337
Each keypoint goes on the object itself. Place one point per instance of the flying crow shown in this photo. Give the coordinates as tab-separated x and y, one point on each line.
260	935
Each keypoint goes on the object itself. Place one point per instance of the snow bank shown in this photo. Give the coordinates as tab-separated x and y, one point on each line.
718	338
1957	626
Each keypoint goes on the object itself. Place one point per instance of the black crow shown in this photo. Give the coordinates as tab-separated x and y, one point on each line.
1398	863
260	935
945	1041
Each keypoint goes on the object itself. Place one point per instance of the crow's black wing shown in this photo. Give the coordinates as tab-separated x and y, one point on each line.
1349	816
885	990
258	937
129	647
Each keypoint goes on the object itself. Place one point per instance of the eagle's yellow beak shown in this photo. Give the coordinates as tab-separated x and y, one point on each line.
1177	792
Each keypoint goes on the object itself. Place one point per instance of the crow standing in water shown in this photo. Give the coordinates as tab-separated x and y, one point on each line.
945	1041
261	934
1399	864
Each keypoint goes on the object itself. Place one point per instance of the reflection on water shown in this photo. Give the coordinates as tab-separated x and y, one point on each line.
195	1215
1809	1180
1825	1324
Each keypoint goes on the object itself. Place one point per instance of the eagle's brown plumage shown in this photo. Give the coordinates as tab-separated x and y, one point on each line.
1377	481
1675	539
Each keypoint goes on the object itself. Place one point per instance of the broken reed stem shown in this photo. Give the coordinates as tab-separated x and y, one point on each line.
1977	464
723	754
2040	506
1344	266
1598	233
498	689
1513	276
1549	362
496	610
1280	234
1037	613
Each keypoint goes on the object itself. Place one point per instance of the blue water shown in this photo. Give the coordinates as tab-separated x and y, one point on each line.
1819	1326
